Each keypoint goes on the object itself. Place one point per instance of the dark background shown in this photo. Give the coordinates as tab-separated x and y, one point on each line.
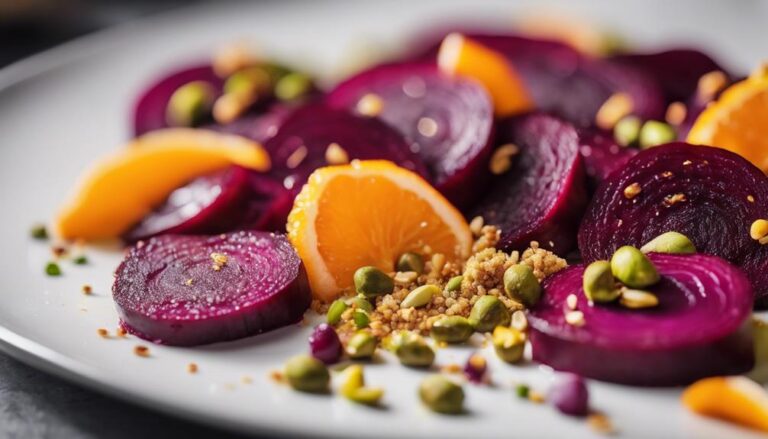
34	404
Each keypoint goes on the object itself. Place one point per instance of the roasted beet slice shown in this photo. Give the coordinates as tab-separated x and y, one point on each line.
601	155
447	120
568	83
221	202
541	198
300	144
258	127
149	110
700	327
193	290
708	194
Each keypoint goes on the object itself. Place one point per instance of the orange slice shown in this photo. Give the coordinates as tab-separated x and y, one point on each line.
118	190
735	399
737	120
369	213
462	56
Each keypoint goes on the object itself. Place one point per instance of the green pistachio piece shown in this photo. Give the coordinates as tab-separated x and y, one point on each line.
410	262
412	350
248	82
489	312
521	284
632	268
39	231
509	344
372	282
292	86
307	374
361	345
420	296
361	318
353	388
452	329
441	395
52	269
655	133
335	311
454	284
190	103
599	284
627	131
670	242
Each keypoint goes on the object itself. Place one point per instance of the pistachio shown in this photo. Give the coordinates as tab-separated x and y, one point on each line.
307	374
669	242
487	313
190	103
248	82
627	131
454	283
759	231
412	350
410	262
598	283
521	284
335	311
638	299
441	395
292	86
509	344
655	133
452	329
632	268
354	388
405	277
420	296
360	302
39	231
361	345
519	320
361	318
522	391
372	282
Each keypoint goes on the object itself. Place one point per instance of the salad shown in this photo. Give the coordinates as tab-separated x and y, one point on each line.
602	208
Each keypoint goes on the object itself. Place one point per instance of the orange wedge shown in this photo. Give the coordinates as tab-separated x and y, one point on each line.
735	399
369	213
118	190
459	55
737	120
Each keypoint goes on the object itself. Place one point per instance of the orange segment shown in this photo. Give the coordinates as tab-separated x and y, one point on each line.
369	213
735	399
737	120
462	56
117	191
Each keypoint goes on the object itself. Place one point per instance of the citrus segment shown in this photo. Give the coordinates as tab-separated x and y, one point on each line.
462	56
117	191
736	399
736	121
369	213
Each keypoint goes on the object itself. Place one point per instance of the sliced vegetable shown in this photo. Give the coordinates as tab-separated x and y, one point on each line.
699	328
192	290
447	120
541	198
710	195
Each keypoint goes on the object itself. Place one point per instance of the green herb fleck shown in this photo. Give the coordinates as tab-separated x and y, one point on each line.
522	391
52	269
39	231
81	260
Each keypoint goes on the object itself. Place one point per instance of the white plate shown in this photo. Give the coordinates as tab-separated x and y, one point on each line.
61	109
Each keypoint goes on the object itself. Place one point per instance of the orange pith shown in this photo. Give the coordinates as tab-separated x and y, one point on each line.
737	120
462	56
369	213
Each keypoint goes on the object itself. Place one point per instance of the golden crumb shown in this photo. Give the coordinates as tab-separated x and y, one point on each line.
189	282
192	368
231	58
710	84
501	160
632	191
121	332
336	155
276	376
536	397
102	332
246	379
141	351
616	107
671	200
750	198
370	105
219	258
451	368
87	289
600	424
676	113
296	157
476	225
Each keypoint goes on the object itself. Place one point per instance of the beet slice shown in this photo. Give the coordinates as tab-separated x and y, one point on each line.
700	327
221	202
300	144
167	290
257	127
447	120
601	155
541	198
567	83
708	194
149	110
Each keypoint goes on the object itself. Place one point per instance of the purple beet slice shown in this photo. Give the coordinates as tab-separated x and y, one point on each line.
601	155
700	327
257	127
300	144
541	198
149	110
193	290
567	83
708	194
447	120
232	199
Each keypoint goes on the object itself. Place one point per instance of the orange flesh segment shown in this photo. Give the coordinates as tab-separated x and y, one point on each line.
117	191
459	55
737	121
735	399
369	213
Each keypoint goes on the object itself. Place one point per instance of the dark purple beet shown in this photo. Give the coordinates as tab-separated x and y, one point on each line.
324	344
258	127
167	291
700	327
568	83
149	110
314	127
601	155
221	202
708	194
541	198
447	120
